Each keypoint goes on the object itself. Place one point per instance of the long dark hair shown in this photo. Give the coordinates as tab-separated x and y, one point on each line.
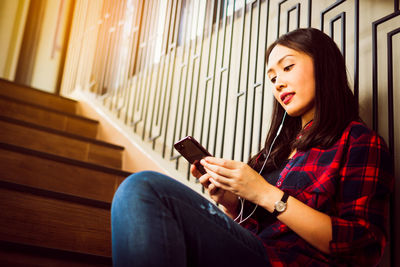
335	104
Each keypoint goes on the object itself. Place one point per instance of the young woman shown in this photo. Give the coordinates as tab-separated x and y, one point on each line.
317	193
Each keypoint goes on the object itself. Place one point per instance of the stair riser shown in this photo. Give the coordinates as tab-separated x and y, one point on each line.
38	97
47	118
24	258
56	182
42	221
56	176
59	145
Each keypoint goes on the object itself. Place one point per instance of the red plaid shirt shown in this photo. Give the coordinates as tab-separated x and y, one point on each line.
351	182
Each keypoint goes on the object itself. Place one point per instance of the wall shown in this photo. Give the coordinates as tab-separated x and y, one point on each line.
31	55
52	39
12	21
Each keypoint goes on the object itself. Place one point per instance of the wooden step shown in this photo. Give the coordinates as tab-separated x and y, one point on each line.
34	219
38	97
14	254
50	203
59	143
48	117
57	174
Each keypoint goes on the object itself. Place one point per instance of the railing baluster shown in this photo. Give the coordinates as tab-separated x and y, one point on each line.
136	59
141	79
247	86
181	66
161	64
221	71
186	65
150	68
140	61
279	18
117	54
197	88
267	6
195	58
207	71
295	7
227	78
342	17
356	48
238	86
175	38
131	58
326	10
170	46
213	78
255	84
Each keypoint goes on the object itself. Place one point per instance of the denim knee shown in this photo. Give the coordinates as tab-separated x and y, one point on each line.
132	183
137	183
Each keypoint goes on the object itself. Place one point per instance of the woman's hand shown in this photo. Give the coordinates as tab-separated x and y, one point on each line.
236	177
195	172
239	178
225	198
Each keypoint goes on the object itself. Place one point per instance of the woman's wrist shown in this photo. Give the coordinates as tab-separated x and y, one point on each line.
267	200
232	210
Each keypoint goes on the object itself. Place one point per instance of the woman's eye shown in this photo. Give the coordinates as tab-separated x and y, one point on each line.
273	79
287	68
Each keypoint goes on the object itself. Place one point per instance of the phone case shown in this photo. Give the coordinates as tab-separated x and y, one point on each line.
192	151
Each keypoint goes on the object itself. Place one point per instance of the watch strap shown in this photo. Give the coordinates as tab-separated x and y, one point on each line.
284	200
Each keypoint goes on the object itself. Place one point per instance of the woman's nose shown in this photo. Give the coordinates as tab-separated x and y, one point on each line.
279	84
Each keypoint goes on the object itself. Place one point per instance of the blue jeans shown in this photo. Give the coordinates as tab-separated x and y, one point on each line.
157	221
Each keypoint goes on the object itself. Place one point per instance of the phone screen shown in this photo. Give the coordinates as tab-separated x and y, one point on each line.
192	151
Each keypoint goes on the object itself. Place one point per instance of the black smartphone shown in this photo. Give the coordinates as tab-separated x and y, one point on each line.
192	151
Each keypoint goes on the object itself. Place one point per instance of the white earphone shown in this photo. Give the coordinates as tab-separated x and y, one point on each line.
240	216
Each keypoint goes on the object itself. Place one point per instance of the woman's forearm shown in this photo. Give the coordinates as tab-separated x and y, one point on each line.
313	226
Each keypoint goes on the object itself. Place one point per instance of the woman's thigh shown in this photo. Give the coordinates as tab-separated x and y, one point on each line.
170	220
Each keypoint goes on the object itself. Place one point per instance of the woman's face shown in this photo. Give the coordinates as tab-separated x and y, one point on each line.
292	75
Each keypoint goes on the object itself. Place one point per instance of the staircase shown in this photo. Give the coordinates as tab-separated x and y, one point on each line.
56	182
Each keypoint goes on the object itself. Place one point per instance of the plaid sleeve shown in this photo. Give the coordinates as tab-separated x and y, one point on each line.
358	230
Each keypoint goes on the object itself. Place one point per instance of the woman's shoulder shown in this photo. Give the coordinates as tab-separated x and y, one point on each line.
357	132
358	128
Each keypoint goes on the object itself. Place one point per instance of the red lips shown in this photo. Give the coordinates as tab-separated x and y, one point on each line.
286	97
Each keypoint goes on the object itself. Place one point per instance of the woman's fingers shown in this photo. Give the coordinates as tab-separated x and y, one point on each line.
226	163
195	172
219	167
223	172
220	182
204	180
212	189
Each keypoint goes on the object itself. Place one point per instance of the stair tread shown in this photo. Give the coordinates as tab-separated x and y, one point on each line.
55	204
16	186
47	109
33	95
60	224
58	176
23	254
57	158
62	133
58	143
47	117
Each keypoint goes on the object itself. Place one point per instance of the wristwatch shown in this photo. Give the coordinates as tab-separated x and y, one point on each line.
280	206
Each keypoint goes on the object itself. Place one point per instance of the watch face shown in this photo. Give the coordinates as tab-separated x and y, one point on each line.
280	206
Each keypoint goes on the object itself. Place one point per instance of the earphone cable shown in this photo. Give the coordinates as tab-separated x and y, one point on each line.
262	168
